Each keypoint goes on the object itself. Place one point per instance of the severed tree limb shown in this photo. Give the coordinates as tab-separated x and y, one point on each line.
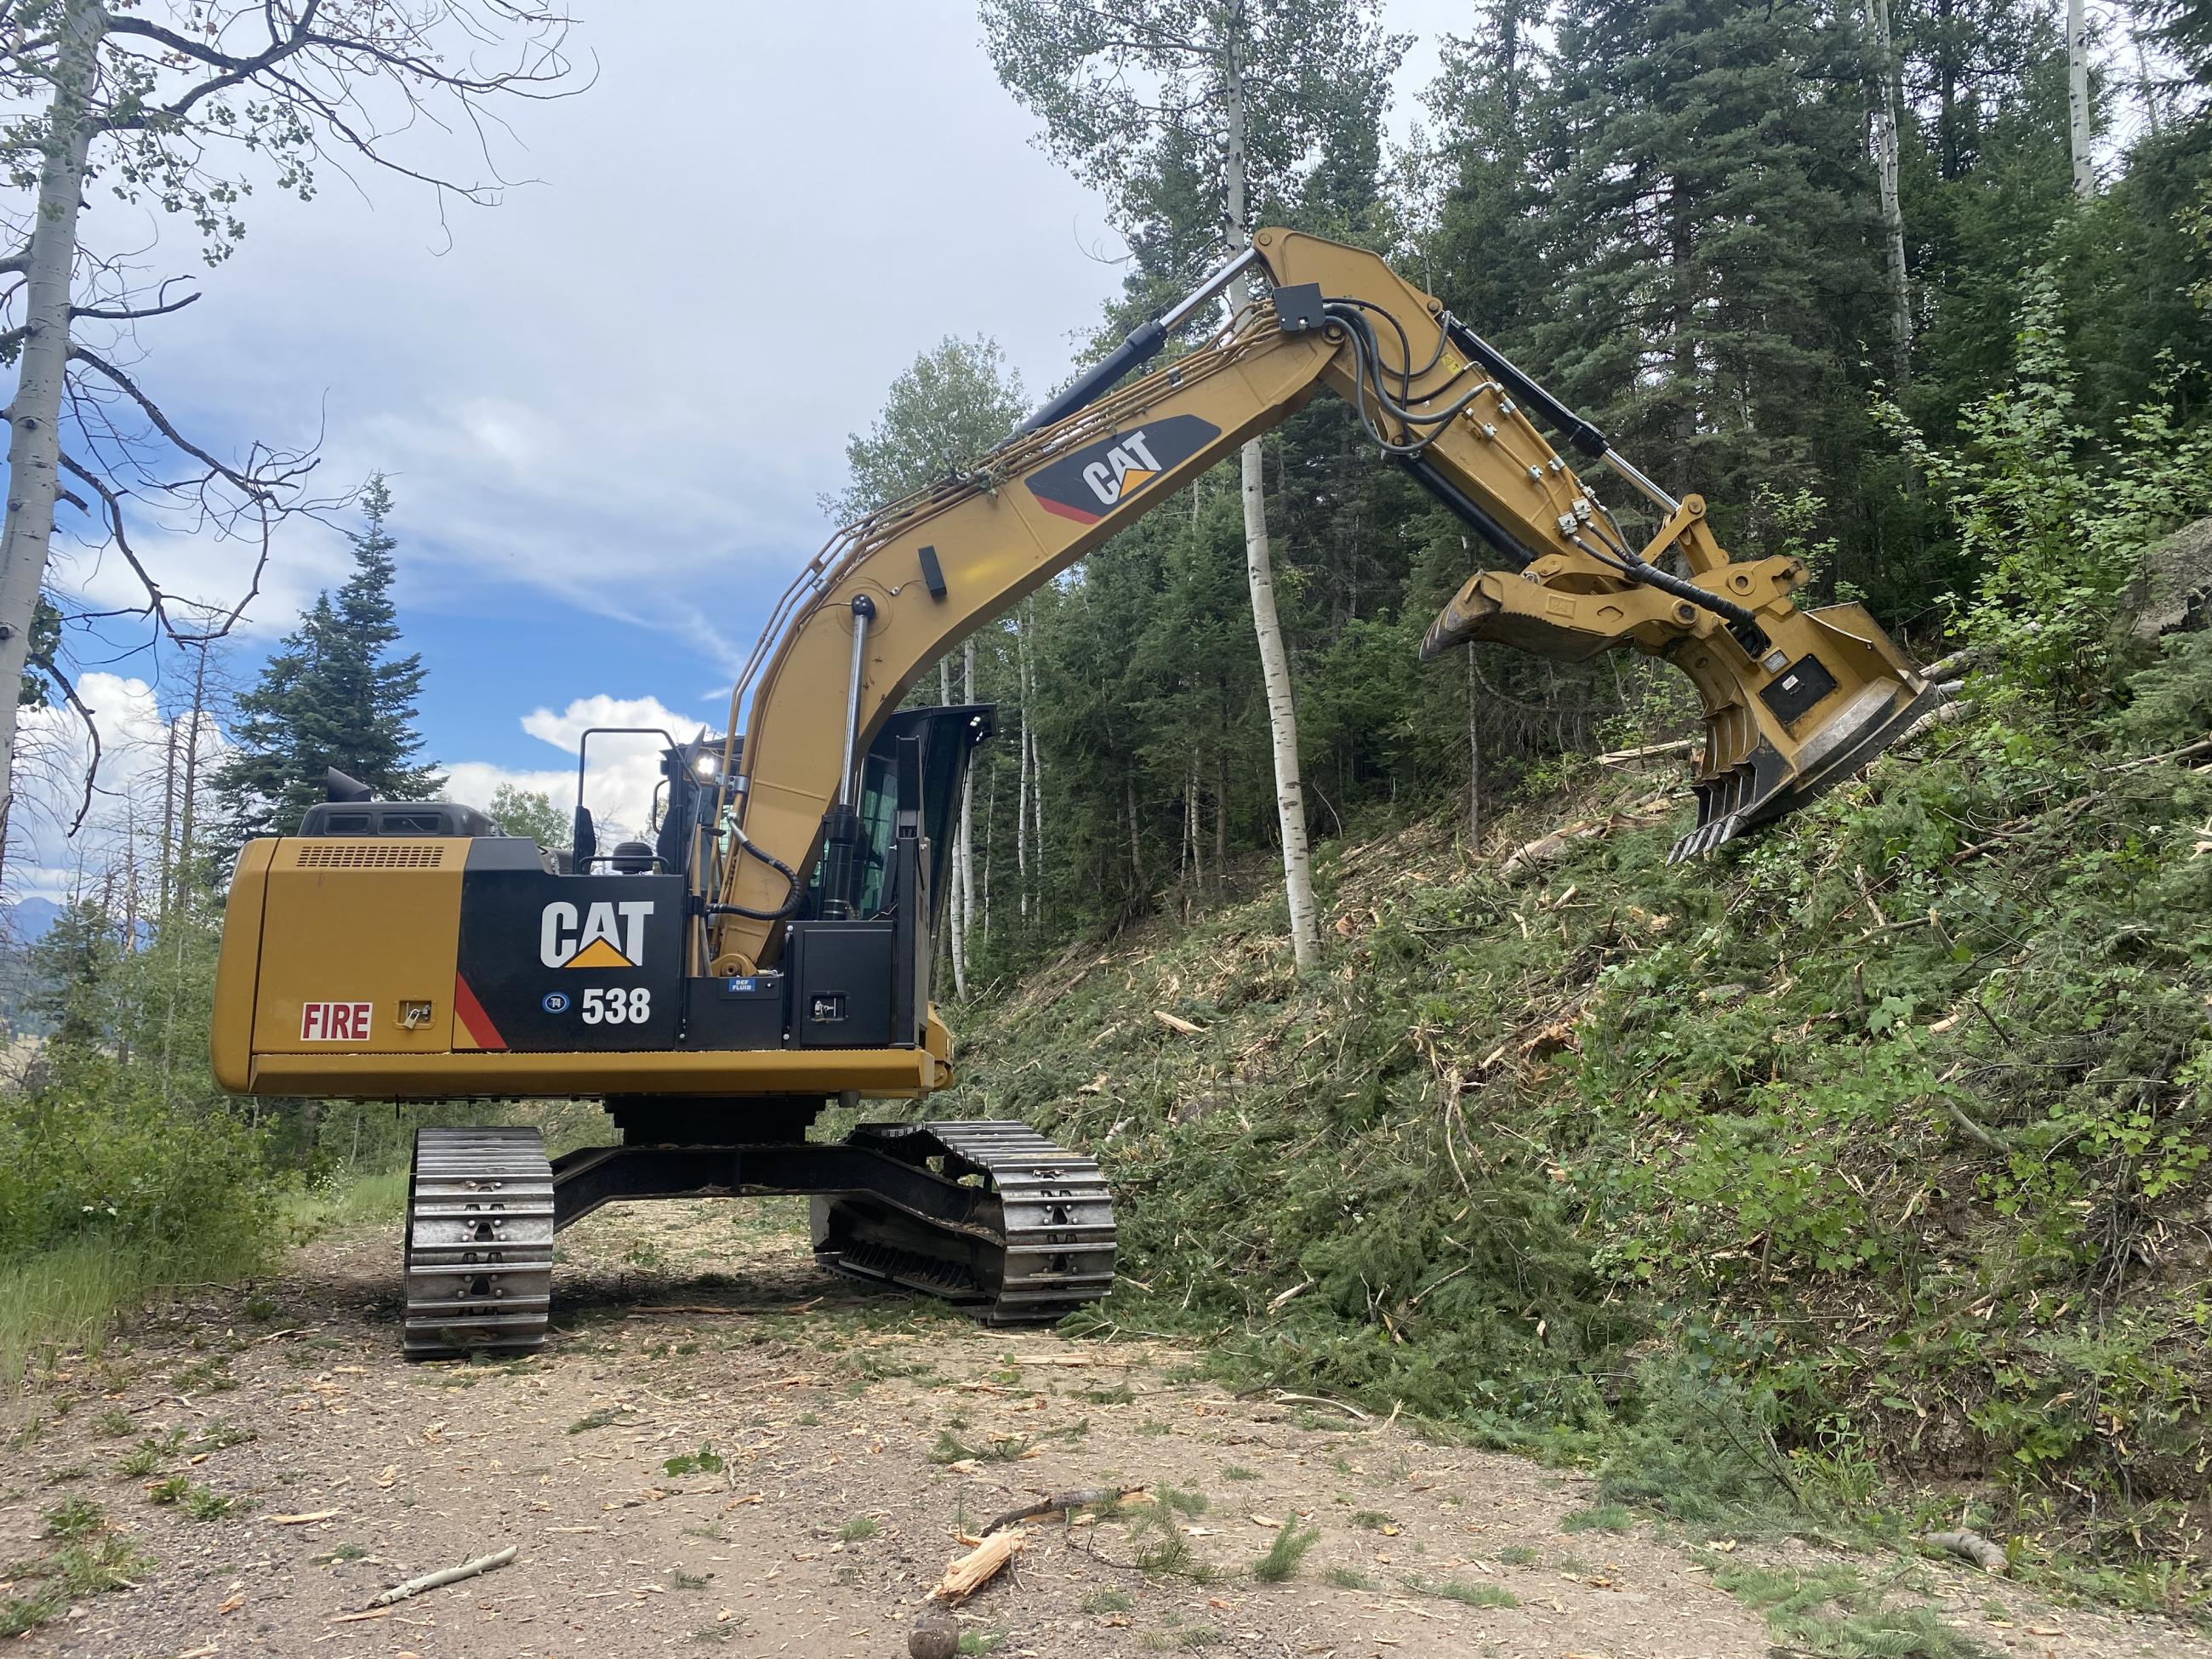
430	1581
1970	1546
1059	1501
978	1567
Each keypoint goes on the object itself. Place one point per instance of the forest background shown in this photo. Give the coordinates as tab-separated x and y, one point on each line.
1920	290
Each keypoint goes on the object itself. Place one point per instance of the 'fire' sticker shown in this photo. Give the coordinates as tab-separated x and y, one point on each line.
334	1021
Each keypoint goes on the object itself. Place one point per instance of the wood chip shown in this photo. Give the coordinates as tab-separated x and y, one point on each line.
300	1520
356	1618
1176	1022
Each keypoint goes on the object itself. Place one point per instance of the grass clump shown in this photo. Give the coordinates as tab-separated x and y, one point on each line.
74	1517
1601	1518
1112	1600
1284	1556
91	1560
1347	1578
1457	1589
205	1504
859	1529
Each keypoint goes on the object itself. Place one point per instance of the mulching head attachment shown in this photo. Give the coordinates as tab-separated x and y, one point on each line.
1796	701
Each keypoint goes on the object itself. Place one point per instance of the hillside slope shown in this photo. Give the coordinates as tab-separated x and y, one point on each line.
1876	1144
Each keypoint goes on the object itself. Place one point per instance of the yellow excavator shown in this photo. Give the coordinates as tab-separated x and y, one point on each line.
769	951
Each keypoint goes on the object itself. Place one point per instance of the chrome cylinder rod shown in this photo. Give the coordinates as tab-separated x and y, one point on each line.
864	612
1666	503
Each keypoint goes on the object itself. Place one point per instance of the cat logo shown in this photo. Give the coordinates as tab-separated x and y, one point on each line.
609	933
1088	484
1128	468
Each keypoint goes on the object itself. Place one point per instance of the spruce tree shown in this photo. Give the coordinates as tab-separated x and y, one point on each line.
1719	241
333	695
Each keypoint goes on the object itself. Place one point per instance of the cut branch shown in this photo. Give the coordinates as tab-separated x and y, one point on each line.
430	1581
1059	1501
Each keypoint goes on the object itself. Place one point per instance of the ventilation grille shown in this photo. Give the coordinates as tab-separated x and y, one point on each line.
370	855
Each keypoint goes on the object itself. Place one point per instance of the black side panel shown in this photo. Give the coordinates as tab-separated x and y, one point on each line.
1797	688
564	962
840	984
737	1011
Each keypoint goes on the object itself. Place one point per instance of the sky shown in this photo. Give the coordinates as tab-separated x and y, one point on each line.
607	406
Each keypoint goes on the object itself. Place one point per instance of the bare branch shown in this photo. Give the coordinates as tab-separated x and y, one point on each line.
162	424
102	313
45	665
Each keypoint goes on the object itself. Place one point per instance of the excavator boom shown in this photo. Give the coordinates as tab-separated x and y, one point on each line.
1793	699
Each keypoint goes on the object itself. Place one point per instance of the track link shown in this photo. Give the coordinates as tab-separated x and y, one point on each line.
479	1246
1038	1245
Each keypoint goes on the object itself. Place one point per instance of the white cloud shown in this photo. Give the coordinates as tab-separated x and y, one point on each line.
624	769
53	752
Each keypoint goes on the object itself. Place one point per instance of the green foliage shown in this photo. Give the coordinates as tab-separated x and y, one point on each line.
2054	537
530	814
1285	1553
1832	1612
1760	1183
1459	1591
943	412
705	1460
205	1504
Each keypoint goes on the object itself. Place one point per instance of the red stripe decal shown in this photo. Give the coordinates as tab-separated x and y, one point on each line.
473	1016
1067	511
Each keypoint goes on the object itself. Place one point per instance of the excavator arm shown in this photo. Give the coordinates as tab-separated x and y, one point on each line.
1794	700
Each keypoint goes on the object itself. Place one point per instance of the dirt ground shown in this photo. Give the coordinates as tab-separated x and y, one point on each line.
848	1438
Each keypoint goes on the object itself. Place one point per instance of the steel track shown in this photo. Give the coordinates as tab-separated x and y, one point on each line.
1052	1219
479	1251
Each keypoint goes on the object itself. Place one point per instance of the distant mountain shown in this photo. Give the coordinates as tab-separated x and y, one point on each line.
25	920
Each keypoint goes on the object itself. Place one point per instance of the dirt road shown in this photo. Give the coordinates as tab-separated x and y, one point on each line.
679	1476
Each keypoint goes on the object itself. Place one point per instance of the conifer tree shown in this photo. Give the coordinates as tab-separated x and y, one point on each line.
1718	236
333	695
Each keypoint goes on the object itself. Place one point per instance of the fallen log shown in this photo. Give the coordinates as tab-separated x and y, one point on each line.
1970	1546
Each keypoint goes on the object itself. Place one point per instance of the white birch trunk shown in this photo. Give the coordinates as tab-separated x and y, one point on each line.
990	826
1037	775
1022	766
35	413
1274	661
2077	97
1885	120
957	941
965	848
